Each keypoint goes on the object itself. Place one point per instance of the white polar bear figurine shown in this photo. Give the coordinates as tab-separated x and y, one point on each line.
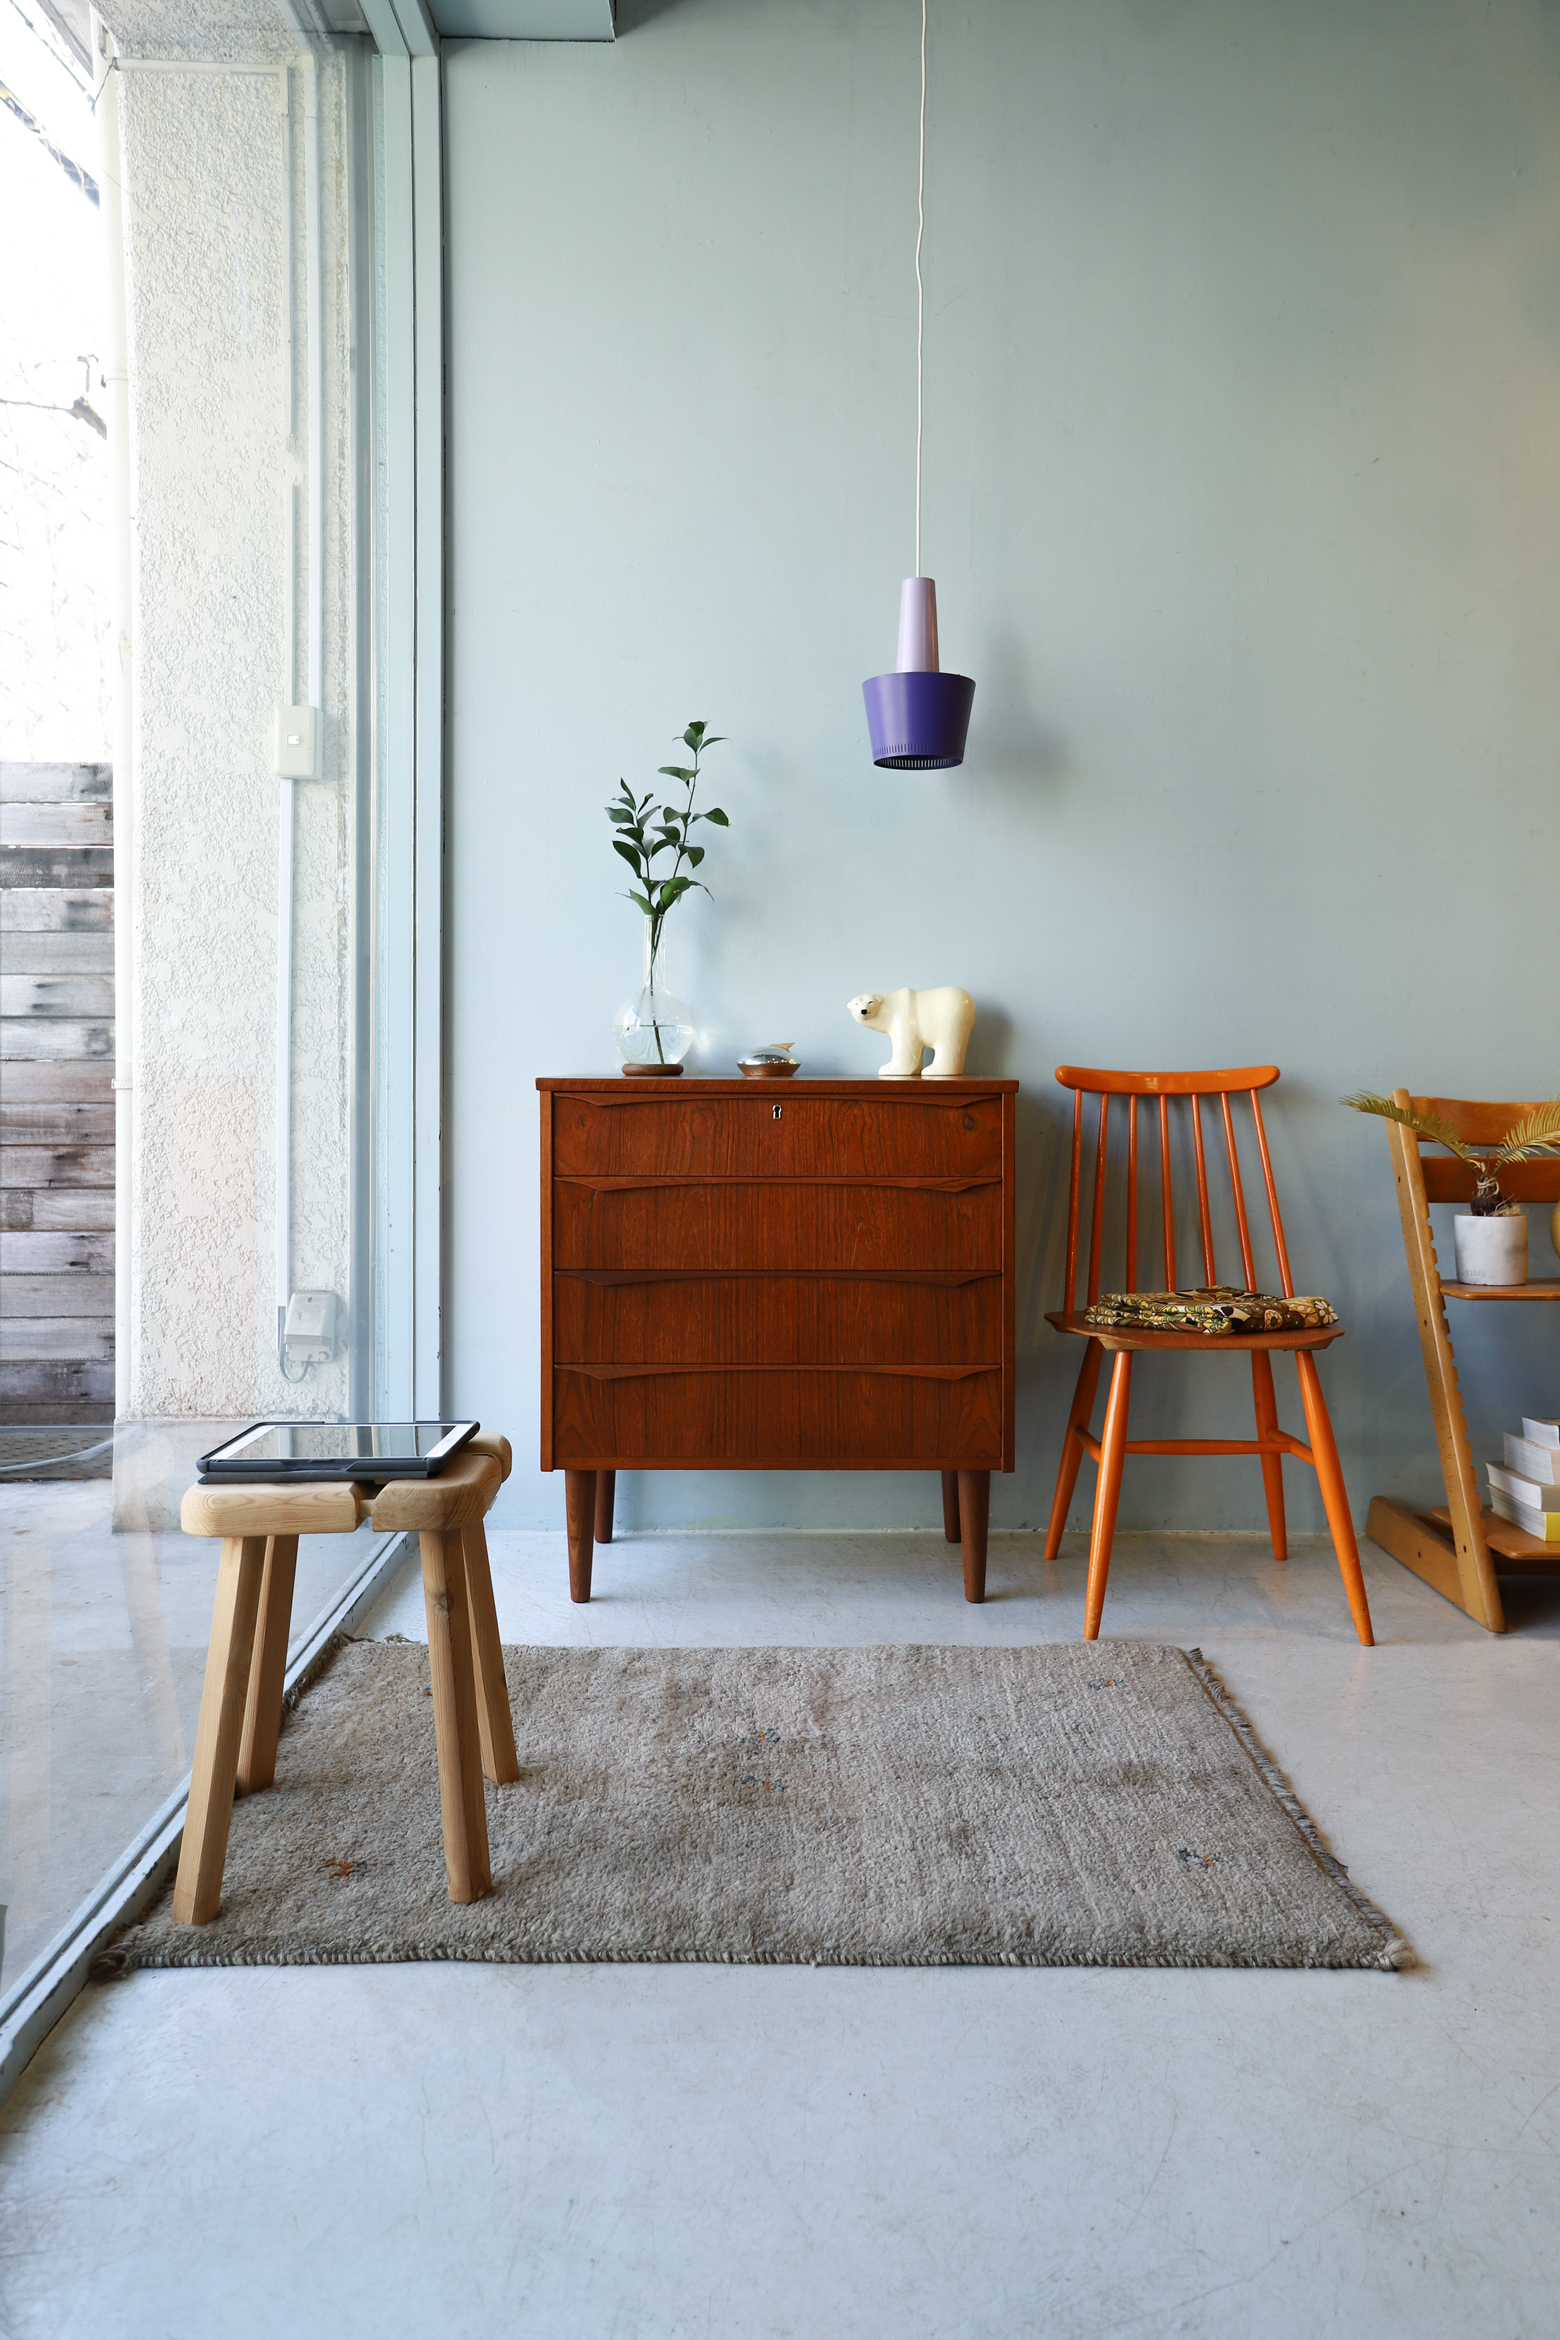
915	1020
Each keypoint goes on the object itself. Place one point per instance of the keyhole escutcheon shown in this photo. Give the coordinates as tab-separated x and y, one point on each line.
776	1111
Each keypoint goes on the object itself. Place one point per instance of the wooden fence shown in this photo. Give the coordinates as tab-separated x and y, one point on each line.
56	1093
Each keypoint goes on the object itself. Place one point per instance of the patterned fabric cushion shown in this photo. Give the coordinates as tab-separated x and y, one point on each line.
1215	1308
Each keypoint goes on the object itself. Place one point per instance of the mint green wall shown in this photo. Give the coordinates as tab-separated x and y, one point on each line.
1242	495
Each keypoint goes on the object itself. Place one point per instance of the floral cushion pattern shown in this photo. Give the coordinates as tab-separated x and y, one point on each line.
1214	1308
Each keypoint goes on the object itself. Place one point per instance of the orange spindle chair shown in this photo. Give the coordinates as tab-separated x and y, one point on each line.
1186	1092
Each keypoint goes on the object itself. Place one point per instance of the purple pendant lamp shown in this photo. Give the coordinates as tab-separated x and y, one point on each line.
918	717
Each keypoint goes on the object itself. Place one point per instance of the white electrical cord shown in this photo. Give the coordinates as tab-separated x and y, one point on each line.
920	293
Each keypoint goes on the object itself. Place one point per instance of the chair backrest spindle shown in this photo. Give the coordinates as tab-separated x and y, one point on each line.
1202	1192
1279	1244
1166	1199
1241	1227
1132	1232
1072	1203
1099	1205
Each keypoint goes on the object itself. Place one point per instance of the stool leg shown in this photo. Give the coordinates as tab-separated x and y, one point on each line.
455	1715
268	1668
950	1487
494	1721
579	1505
197	1892
606	1495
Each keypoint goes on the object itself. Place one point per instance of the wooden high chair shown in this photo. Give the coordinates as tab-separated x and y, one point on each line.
1460	1547
1271	1444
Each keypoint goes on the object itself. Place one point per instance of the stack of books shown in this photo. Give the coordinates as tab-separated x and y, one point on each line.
1526	1488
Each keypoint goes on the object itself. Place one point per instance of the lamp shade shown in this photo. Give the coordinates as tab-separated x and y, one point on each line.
918	722
917	717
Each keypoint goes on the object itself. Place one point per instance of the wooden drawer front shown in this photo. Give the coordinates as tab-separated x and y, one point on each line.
777	1320
725	1136
765	1420
751	1225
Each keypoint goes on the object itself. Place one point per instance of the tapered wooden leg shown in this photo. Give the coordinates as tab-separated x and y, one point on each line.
197	1891
455	1715
1272	1464
1477	1592
1072	1450
950	1488
268	1668
1334	1493
606	1494
1107	1493
495	1723
579	1507
974	1516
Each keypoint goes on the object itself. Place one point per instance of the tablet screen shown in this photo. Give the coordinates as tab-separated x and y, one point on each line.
327	1442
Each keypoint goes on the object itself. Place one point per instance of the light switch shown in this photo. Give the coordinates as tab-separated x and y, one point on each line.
297	749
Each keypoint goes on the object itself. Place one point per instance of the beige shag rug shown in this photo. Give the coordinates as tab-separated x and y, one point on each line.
1071	1805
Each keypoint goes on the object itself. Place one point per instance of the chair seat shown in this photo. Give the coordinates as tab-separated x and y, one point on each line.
1121	1337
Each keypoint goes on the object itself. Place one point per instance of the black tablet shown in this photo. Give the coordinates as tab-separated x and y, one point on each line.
337	1450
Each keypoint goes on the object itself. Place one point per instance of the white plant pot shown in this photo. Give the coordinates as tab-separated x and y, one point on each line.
1491	1251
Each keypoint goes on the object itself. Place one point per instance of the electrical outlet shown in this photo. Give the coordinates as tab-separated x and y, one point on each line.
309	1334
296	750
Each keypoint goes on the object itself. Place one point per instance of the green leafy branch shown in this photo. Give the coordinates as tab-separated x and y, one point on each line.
1537	1133
645	831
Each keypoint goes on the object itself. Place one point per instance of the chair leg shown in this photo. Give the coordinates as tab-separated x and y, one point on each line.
495	1724
974	1518
606	1495
1334	1493
268	1668
1107	1493
950	1494
1272	1464
461	1801
579	1507
197	1892
1072	1450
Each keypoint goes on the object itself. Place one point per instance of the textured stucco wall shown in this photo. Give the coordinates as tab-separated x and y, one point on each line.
218	440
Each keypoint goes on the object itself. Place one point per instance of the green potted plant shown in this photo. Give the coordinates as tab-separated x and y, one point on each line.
1491	1236
654	1030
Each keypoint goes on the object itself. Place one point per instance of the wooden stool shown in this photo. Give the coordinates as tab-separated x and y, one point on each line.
241	1702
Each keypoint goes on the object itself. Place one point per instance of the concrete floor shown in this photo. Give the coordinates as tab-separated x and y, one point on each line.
589	2151
103	1634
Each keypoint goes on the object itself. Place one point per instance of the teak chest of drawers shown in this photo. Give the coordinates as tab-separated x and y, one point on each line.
768	1275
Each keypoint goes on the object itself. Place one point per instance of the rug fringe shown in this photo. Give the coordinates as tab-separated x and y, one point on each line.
460	1954
1396	1954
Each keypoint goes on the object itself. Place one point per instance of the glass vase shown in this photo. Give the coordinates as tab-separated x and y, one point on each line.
653	1027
